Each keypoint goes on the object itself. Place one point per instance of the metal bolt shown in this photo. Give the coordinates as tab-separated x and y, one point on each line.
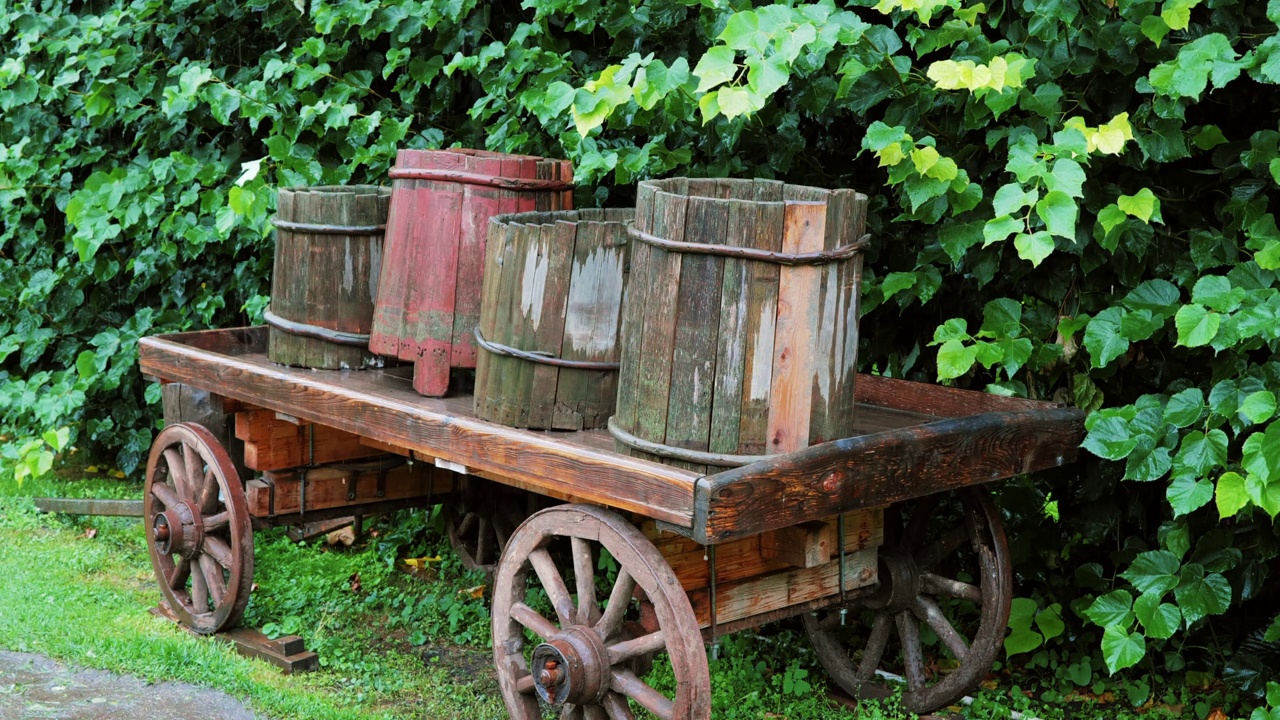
844	616
550	674
715	651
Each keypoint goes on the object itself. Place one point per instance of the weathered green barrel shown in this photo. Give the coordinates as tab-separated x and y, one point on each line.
549	317
740	332
325	282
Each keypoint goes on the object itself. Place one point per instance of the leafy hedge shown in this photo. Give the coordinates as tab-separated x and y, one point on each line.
1072	201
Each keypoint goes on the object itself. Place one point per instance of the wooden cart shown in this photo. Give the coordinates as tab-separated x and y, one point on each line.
870	539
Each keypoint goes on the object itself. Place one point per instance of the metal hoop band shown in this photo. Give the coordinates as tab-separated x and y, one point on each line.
315	331
540	357
674	453
316	229
844	252
459	176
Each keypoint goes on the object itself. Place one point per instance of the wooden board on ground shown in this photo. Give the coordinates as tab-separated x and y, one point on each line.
286	653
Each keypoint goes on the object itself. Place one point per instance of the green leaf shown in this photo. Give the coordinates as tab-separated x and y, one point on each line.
1002	318
1196	325
1264	493
1153	572
1103	339
1185	408
1209	137
955	359
1186	494
1144	205
1034	247
1159	620
1058	211
1155	28
1122	649
1000	228
1049	621
86	364
1067	177
1112	609
1159	296
1110	439
742	32
1230	495
1258	407
1200	595
1216	293
1202	453
716	67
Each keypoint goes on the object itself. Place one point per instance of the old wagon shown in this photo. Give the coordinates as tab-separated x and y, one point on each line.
871	539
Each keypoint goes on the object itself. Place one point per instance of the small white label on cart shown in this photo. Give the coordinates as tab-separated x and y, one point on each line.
456	467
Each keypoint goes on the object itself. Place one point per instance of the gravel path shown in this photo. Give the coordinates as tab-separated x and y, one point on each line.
33	686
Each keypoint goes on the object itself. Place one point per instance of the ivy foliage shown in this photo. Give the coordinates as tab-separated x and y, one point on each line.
1072	201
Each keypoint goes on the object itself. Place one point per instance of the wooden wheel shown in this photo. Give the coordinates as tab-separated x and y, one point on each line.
590	653
198	529
480	521
949	571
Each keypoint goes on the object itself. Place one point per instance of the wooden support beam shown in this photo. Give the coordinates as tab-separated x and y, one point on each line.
805	546
286	653
275	443
89	506
331	487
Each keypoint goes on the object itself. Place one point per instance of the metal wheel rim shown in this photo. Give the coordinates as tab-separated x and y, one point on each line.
640	561
224	511
996	583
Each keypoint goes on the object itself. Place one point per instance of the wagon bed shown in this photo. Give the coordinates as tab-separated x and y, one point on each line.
914	439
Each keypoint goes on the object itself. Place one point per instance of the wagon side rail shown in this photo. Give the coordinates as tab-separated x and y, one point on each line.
882	468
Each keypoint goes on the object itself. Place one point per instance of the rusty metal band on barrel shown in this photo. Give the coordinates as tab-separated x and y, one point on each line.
315	331
317	229
844	252
466	178
540	357
674	453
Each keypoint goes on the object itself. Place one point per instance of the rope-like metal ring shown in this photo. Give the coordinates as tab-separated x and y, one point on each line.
468	178
317	229
697	457
539	356
844	252
315	331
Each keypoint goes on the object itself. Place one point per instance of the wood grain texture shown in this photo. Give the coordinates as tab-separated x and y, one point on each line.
329	487
382	406
327	280
183	403
273	443
435	253
884	468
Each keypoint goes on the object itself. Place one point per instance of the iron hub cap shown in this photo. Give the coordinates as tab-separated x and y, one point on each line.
573	668
899	581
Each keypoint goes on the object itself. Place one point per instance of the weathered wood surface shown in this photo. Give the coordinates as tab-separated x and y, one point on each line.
733	355
331	487
431	282
891	455
382	406
274	443
884	468
287	652
327	261
553	285
183	403
89	506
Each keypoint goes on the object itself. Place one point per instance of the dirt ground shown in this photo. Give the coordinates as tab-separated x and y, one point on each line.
33	686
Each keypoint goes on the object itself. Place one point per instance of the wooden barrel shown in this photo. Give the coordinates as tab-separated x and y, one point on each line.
549	318
441	203
325	283
740	331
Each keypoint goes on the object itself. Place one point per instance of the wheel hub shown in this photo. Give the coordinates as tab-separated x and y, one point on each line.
573	668
899	581
178	529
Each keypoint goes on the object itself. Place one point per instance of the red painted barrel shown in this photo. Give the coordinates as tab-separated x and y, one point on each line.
433	259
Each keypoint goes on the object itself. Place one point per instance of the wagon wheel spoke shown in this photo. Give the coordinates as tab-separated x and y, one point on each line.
199	592
208	499
530	619
553	584
213	576
467	523
216	522
585	579
195	469
625	682
928	611
177	472
643	645
912	654
594	712
619	600
572	712
946	587
874	651
484	532
217	550
165	495
181	570
616	707
524	685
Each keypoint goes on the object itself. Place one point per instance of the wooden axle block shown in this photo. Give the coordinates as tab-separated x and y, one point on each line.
806	545
275	443
330	487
